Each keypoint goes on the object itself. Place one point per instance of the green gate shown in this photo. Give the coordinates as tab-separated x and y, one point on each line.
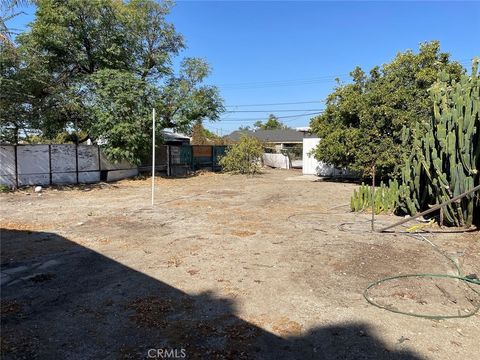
218	152
186	155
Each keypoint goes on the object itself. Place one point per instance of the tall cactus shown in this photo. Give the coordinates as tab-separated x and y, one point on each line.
445	157
445	160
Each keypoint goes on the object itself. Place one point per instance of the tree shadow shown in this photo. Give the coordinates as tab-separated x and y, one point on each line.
61	300
343	180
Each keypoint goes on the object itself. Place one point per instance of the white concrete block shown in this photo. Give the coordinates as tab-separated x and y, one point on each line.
7	160
33	160
115	175
106	164
64	178
88	177
88	158
8	180
39	179
63	158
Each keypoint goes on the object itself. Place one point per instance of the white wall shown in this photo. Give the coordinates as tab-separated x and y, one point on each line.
64	165
33	165
276	160
88	164
311	166
7	166
57	164
120	170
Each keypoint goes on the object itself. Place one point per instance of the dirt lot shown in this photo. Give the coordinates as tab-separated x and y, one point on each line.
223	267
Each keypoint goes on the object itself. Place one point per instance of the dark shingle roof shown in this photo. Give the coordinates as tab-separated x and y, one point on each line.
276	136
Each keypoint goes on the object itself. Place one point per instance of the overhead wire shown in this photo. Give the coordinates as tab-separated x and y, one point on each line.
299	82
275	104
278	117
284	83
266	111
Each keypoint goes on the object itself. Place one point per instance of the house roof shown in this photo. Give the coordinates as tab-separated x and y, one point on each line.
272	136
172	136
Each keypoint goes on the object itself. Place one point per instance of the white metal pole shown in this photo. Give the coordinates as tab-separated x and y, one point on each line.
153	154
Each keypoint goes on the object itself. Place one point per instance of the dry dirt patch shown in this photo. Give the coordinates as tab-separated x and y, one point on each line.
234	266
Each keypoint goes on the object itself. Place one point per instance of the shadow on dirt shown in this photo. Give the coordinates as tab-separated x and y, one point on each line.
63	301
343	180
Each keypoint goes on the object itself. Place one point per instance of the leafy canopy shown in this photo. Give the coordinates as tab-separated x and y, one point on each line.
271	124
100	66
361	125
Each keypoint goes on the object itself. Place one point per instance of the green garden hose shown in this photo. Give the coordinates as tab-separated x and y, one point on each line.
470	279
436	317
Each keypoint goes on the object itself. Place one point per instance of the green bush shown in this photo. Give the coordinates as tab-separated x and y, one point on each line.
243	157
4	188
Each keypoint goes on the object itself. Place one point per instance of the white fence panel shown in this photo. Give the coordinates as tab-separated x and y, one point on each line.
88	164
276	161
33	165
7	165
58	164
63	164
312	166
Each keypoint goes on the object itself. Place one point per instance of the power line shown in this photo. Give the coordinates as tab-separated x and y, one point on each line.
271	111
300	82
278	117
274	104
286	81
278	84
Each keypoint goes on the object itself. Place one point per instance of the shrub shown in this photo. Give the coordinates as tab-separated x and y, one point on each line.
4	188
243	157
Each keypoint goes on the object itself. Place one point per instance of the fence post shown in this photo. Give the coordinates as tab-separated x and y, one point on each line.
192	160
168	160
213	157
76	160
50	163
98	155
16	165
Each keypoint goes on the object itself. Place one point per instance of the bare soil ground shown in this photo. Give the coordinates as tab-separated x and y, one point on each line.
224	267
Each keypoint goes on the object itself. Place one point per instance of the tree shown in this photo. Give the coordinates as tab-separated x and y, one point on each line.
184	100
8	10
271	124
244	128
361	125
198	134
121	106
74	59
443	161
203	136
243	157
77	38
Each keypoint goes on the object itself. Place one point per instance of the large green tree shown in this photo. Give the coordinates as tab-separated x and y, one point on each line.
272	123
99	66
361	126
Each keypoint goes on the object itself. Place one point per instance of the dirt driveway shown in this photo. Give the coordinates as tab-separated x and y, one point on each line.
223	267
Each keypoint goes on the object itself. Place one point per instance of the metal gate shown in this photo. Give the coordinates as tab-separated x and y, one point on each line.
187	158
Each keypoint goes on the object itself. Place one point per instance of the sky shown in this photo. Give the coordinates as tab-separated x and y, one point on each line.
274	52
